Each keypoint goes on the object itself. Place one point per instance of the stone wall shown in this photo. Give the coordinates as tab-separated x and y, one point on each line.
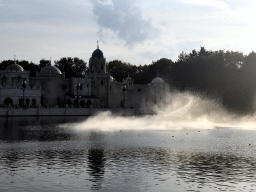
53	89
15	94
137	97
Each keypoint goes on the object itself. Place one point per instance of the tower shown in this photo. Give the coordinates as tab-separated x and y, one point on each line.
97	63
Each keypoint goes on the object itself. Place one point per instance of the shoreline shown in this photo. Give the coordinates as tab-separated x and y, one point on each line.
41	111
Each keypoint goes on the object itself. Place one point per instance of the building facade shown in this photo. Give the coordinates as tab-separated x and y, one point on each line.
94	88
12	90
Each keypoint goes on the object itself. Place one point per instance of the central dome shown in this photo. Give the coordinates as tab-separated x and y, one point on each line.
50	70
15	67
97	53
157	80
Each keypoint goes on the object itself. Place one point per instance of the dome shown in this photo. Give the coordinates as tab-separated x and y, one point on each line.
158	80
128	78
15	67
50	70
97	53
111	79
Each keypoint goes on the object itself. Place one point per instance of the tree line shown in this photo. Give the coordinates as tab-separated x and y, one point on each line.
68	65
225	75
228	75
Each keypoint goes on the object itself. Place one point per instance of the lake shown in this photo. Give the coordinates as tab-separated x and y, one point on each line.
63	154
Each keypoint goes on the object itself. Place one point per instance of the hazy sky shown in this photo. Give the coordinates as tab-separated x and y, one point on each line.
132	31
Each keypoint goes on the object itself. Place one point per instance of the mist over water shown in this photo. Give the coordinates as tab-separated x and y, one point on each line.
184	110
119	153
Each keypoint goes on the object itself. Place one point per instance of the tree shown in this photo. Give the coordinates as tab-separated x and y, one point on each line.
119	70
234	59
183	57
5	64
43	63
70	66
33	68
203	52
79	65
24	64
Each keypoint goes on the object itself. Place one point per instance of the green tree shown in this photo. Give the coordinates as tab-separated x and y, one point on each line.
119	70
31	67
5	64
71	66
43	63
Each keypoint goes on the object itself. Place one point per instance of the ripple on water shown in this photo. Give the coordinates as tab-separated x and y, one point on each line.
98	164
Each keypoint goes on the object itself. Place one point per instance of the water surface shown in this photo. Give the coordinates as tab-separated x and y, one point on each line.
48	154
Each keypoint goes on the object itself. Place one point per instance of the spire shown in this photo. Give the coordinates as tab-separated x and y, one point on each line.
14	59
97	44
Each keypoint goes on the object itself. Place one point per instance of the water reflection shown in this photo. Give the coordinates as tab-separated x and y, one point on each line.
35	128
96	161
37	133
128	166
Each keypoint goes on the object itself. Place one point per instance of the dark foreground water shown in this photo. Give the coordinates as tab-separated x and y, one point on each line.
36	154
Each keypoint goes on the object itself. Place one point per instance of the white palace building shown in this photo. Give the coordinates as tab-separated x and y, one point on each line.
95	89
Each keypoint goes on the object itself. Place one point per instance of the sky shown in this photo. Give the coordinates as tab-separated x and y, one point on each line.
136	32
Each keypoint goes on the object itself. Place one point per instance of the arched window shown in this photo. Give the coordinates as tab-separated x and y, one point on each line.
69	102
95	103
58	100
20	102
8	101
4	80
82	103
27	102
42	100
34	102
75	102
88	103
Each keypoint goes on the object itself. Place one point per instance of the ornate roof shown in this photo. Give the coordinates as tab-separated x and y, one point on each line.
97	53
157	80
15	67
50	70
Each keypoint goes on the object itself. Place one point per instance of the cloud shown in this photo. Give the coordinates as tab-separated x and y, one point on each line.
210	3
171	51
42	29
157	50
125	19
48	12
